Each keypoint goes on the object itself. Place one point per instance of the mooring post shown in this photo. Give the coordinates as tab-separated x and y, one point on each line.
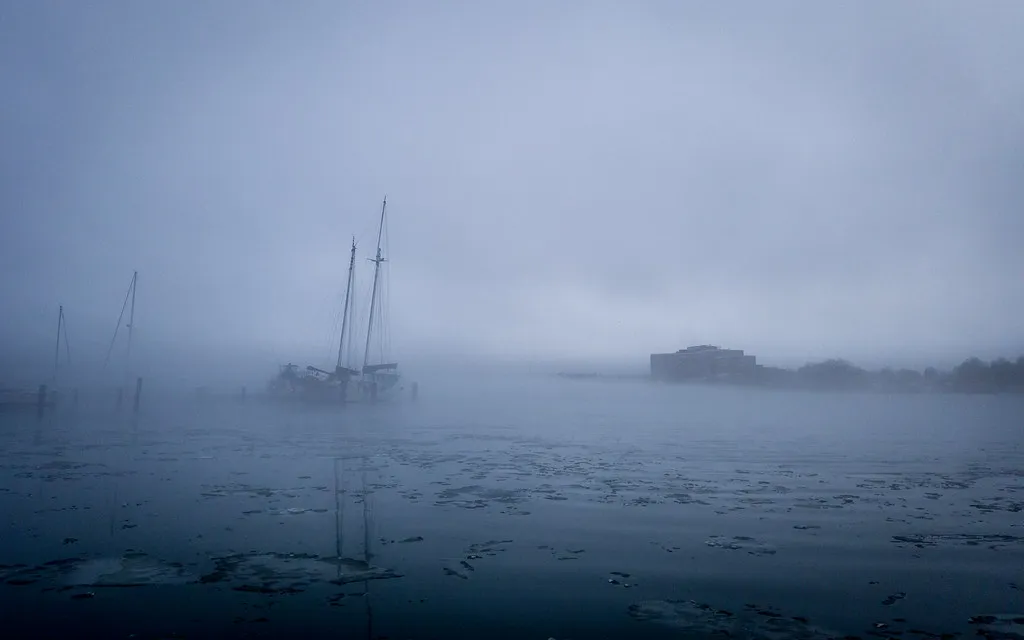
41	400
138	392
415	391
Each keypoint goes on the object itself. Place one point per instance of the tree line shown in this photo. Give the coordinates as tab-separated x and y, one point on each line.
971	376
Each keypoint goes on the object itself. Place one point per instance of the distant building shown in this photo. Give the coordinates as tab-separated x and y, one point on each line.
702	362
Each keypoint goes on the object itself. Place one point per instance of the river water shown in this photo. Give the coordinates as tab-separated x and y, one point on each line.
519	507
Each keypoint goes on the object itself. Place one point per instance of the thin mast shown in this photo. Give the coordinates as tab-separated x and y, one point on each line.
131	291
348	294
56	353
373	295
131	318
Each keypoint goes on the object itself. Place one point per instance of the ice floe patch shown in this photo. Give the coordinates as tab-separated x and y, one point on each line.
253	572
999	503
133	569
992	541
702	620
385	542
457	568
478	497
290	572
741	543
238	489
1000	626
621	579
464	567
293	511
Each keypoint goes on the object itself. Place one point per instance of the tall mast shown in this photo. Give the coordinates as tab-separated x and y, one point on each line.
131	318
373	295
56	354
348	294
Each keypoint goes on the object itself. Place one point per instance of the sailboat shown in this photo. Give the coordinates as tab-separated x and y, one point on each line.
374	381
316	383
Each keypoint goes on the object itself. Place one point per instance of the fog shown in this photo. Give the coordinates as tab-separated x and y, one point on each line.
566	181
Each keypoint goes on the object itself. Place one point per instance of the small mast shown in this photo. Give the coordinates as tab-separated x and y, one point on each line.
348	296
373	295
56	355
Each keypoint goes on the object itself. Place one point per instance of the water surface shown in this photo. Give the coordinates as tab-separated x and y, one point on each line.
519	507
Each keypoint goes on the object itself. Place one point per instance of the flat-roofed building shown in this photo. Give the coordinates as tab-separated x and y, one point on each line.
702	362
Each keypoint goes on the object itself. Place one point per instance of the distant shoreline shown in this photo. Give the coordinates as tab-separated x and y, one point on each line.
973	376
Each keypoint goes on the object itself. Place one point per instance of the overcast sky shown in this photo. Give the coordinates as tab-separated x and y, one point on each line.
565	179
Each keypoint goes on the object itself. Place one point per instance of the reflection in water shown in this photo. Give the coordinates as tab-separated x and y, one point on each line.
366	551
367	556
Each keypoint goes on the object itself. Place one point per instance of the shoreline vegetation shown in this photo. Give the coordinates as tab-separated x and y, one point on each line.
971	376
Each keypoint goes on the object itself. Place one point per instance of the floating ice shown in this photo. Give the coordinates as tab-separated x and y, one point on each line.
133	569
290	572
702	620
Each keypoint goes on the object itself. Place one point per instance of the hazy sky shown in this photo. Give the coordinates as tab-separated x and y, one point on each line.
578	178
